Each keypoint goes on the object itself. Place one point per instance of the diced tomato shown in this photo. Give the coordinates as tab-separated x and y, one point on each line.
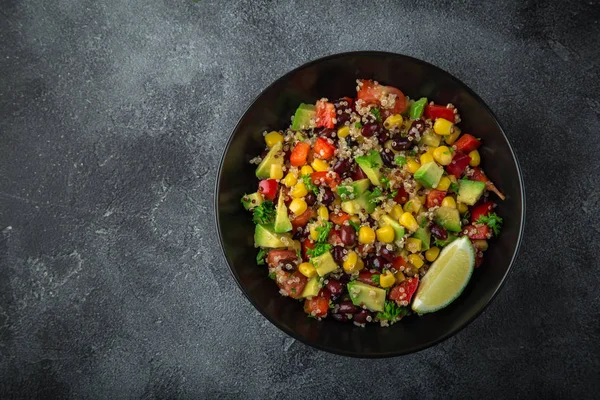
366	276
324	149
467	143
335	238
402	195
477	231
281	256
325	114
435	197
307	244
481	210
339	218
478	175
372	93
400	262
435	111
302	219
291	282
404	291
458	164
299	154
268	188
319	304
330	178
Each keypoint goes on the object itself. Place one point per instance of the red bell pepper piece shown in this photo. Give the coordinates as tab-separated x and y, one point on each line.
307	244
275	257
300	154
478	175
339	218
325	114
319	304
400	263
268	188
458	164
372	93
324	149
434	112
435	197
481	210
467	143
302	219
404	292
328	178
291	282
477	231
335	238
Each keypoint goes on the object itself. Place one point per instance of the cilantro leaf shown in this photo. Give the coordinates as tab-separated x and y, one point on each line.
272	275
264	213
376	113
385	181
375	278
393	194
310	186
413	153
392	312
260	257
331	304
375	197
323	232
354	225
493	221
400	161
319	249
454	187
358	125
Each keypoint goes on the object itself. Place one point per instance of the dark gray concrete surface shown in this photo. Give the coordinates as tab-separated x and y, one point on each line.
113	117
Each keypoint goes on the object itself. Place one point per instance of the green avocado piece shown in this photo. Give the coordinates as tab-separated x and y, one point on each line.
429	175
263	171
398	229
265	236
305	113
249	201
469	191
451	238
354	189
448	217
324	263
356	206
312	288
371	165
370	296
425	235
282	221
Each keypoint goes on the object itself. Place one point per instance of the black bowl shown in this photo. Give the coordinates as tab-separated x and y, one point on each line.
333	77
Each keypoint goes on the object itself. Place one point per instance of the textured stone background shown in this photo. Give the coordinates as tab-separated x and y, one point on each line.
113	116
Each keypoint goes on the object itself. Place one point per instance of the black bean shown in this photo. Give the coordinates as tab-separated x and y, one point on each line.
439	232
348	235
347	307
371	129
310	199
340	317
388	255
376	262
387	156
328	196
335	287
342	166
361	317
338	254
401	143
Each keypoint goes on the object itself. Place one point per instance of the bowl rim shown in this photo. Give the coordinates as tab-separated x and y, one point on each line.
386	354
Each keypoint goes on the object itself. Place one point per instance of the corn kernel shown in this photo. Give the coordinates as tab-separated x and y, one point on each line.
320	165
443	127
355	219
413	206
396	211
413	245
475	158
307	269
323	213
422	200
314	235
343	131
299	190
387	279
449	201
298	206
366	235
431	139
306	170
452	178
444	183
426	158
393	121
462	207
408	221
352	263
412	166
400	276
276	171
432	253
290	180
443	155
415	260
272	138
451	138
385	234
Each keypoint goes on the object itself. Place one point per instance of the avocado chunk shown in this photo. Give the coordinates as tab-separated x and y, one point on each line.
354	189
324	263
443	243
263	171
369	296
282	221
448	217
361	203
371	165
312	288
249	201
398	229
469	191
305	114
425	235
265	236
429	175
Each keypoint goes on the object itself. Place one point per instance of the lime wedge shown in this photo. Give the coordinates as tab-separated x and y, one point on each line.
446	278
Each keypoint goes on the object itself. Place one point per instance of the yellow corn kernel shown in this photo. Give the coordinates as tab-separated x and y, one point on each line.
272	138
396	211
444	183
443	155
299	190
413	245
314	235
387	279
451	138
443	127
426	158
276	171
355	219
452	178
385	234
307	269
337	202
408	221
343	131
393	121
306	170
290	180
323	213
400	276
449	201
475	158
366	235
320	165
413	206
353	263
412	165
432	253
462	207
422	199
415	260
298	206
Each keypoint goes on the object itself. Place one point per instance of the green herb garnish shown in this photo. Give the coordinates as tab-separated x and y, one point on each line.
319	249
272	275
373	159
376	196
358	125
376	113
354	225
375	279
400	161
310	186
264	213
392	194
260	257
492	220
454	187
323	232
392	312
